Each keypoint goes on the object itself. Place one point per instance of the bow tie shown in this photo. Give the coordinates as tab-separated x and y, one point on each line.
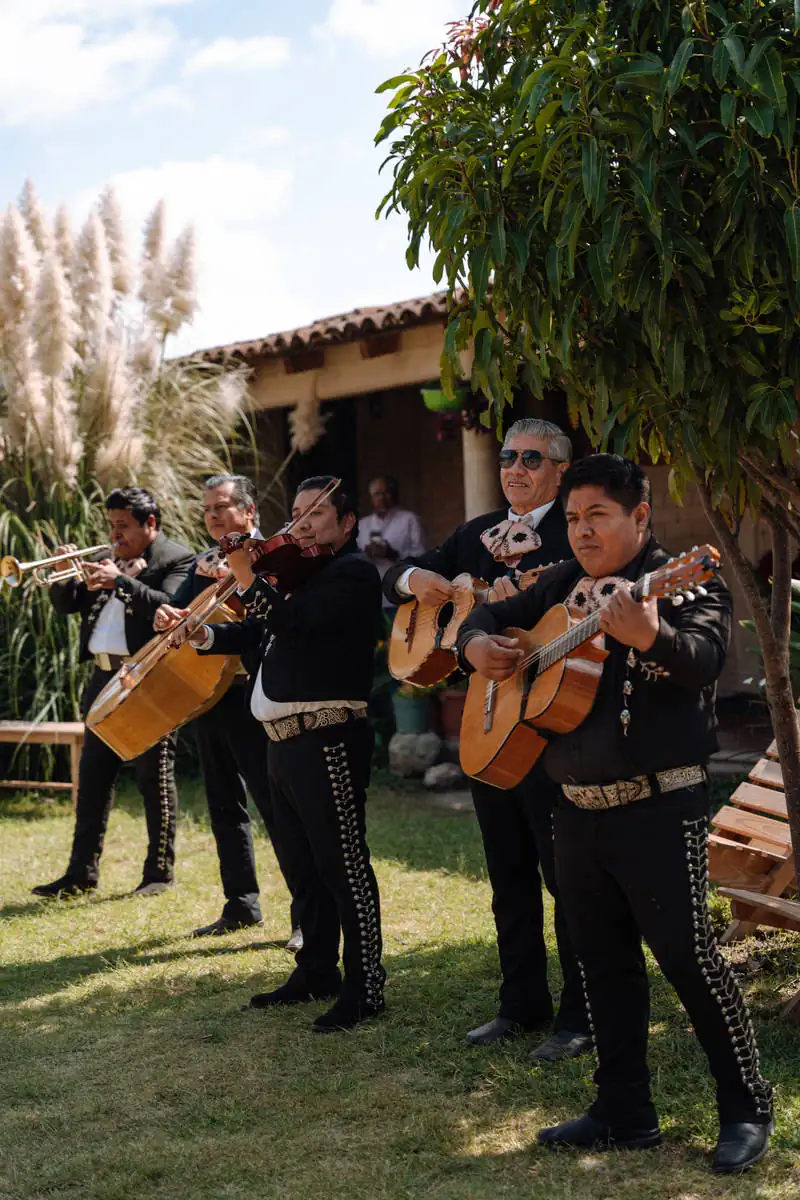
130	566
212	564
509	541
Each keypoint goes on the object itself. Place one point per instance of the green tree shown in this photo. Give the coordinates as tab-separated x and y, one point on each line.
611	190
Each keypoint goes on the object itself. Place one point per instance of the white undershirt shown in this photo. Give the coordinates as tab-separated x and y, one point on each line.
108	635
532	518
264	709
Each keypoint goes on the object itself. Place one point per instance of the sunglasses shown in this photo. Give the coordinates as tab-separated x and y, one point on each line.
531	459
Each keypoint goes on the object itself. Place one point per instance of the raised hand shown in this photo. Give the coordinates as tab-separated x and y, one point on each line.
430	588
493	656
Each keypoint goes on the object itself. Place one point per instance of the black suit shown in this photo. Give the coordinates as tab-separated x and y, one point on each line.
232	746
516	824
168	564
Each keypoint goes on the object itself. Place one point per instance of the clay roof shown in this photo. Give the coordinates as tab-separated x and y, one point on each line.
331	331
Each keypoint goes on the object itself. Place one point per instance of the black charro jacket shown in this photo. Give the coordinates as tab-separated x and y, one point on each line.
168	564
674	682
317	643
464	551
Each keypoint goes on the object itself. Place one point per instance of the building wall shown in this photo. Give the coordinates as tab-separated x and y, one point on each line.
396	435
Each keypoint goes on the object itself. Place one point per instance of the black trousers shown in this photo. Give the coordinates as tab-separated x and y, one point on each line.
517	830
641	872
97	777
232	746
319	783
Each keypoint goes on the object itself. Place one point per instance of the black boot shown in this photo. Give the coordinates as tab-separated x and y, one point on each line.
347	1012
67	885
298	989
586	1133
740	1146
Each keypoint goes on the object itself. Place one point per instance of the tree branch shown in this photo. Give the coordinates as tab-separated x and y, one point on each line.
781	515
777	481
781	606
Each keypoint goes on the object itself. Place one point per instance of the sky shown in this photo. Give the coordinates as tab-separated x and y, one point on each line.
254	120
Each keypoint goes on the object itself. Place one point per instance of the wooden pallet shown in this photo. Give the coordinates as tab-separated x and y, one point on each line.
754	908
49	733
750	846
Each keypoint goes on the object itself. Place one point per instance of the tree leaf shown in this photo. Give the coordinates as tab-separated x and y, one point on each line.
589	171
791	227
600	271
761	117
735	50
720	62
479	263
499	237
395	82
638	68
678	65
674	363
727	107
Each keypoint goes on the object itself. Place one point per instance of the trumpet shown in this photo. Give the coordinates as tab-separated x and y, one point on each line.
12	570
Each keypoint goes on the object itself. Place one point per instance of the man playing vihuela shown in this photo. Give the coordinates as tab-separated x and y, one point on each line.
117	602
516	825
631	820
231	744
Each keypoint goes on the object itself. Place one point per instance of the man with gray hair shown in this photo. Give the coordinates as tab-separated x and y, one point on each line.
517	824
232	745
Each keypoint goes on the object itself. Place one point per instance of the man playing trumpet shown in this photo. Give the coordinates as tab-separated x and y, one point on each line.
117	601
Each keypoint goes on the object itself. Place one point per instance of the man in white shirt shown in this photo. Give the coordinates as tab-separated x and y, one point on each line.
389	533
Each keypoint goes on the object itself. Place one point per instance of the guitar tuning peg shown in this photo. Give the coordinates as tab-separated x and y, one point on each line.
689	595
701	591
677	600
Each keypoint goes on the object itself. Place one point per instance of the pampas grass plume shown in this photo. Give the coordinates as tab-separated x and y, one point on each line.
92	284
55	327
111	216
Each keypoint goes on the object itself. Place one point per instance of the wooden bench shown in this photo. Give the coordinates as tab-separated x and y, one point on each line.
750	845
754	908
47	733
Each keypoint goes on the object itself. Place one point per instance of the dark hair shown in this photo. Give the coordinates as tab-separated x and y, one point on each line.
137	501
392	486
340	500
243	494
620	479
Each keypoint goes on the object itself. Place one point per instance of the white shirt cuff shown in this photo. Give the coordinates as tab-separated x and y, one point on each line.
401	586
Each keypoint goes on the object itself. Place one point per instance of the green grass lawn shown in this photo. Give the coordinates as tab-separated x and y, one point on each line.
128	1071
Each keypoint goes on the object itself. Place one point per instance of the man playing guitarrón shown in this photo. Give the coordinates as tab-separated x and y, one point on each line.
316	649
117	605
516	825
631	824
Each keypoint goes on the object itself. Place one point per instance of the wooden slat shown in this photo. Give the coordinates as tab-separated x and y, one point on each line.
772	751
738	866
749	824
766	910
717	839
51	733
767	773
22	785
760	799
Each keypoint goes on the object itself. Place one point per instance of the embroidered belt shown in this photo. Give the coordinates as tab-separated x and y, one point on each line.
628	791
110	662
289	727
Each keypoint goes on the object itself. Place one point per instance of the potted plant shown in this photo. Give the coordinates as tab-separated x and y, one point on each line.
412	708
451	706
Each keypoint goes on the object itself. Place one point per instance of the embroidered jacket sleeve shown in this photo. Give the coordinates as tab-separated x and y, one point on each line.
69	597
142	600
691	645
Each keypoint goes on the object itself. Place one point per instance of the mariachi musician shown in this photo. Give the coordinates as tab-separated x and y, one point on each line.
631	821
516	825
315	638
231	744
117	602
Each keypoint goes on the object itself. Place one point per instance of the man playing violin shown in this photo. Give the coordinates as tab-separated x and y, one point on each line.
315	644
631	820
117	602
516	825
231	745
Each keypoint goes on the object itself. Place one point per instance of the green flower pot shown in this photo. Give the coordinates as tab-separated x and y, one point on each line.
412	714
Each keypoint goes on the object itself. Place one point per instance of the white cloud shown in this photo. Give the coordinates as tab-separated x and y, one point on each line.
170	96
244	269
247	54
88	10
55	68
252	141
387	28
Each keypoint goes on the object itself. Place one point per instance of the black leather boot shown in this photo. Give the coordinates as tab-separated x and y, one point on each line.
740	1146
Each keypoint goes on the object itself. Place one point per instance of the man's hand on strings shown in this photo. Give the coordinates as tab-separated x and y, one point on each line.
494	656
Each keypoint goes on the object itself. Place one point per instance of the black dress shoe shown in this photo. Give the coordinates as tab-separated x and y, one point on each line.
740	1146
585	1133
224	925
65	886
346	1014
563	1044
498	1030
297	990
155	888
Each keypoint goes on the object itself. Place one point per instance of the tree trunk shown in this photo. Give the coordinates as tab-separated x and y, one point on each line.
772	631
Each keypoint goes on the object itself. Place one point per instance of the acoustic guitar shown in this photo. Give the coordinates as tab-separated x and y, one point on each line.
554	686
422	644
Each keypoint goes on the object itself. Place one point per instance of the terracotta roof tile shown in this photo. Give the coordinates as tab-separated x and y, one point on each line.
332	331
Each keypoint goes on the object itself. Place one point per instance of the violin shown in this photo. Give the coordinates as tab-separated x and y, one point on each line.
281	559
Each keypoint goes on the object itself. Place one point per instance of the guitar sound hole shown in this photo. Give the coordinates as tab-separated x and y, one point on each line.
445	614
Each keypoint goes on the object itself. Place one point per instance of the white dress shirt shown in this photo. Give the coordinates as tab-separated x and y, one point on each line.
108	635
532	518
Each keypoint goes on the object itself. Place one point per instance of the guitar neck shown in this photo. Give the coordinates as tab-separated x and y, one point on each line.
582	632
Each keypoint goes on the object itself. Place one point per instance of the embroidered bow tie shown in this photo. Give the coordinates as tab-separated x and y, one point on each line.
213	564
130	566
509	541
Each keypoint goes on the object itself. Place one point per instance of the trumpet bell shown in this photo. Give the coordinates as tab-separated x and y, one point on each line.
11	570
